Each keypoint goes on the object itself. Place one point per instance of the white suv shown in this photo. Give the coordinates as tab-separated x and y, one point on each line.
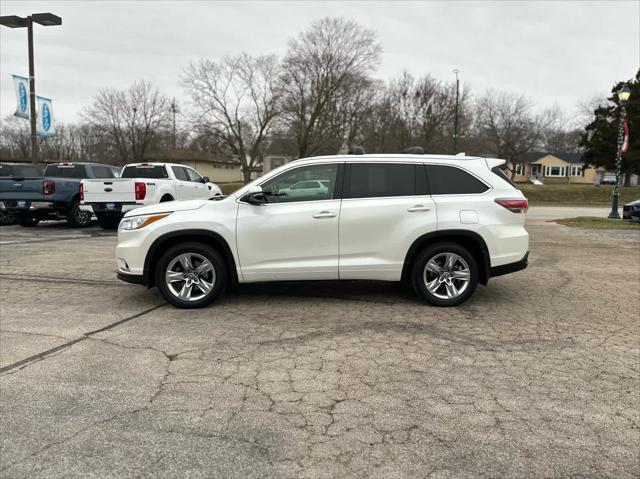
442	223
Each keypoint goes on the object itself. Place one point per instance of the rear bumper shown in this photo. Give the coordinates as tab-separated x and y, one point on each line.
510	267
114	208
130	278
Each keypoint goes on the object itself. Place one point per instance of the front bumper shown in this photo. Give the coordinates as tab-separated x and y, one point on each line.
130	278
510	267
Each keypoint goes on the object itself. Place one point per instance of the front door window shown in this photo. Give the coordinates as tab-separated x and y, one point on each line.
307	183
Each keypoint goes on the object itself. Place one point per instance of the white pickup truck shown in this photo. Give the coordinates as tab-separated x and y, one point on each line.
143	184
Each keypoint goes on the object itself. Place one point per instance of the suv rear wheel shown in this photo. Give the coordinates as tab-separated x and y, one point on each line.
191	275
445	274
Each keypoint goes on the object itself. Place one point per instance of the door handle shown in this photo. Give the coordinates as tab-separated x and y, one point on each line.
418	208
325	214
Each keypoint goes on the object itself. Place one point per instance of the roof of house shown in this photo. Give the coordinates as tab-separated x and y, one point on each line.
568	157
182	155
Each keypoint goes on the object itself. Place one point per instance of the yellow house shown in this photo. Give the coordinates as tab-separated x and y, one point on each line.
555	168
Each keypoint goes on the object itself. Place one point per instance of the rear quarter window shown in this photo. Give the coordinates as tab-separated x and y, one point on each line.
500	172
449	180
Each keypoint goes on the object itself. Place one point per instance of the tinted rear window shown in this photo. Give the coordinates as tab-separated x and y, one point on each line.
448	180
144	172
27	170
371	180
71	171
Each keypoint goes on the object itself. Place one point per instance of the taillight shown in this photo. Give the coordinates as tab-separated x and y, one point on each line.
48	187
81	192
141	190
514	205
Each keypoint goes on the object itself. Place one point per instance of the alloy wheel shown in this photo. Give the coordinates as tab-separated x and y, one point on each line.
446	276
190	276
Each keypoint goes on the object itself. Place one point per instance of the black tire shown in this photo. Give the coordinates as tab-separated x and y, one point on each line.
214	257
165	198
108	222
438	252
28	221
7	218
76	218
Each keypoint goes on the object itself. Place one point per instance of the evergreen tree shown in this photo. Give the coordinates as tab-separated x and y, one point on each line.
600	139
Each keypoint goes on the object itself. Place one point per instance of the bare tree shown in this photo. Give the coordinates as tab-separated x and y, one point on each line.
15	138
129	119
235	103
325	69
509	126
414	112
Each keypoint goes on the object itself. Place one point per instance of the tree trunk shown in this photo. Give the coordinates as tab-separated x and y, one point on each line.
246	174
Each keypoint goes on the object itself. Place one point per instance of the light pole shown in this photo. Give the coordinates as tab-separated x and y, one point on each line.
623	98
174	109
14	21
455	118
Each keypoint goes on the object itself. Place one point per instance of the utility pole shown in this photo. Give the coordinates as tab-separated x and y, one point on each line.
455	118
174	109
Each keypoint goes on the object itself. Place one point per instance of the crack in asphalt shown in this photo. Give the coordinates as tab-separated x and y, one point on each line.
44	354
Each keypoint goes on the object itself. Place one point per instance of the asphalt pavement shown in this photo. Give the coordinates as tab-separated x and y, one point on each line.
538	375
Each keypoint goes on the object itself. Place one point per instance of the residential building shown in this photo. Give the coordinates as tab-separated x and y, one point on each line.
219	168
556	167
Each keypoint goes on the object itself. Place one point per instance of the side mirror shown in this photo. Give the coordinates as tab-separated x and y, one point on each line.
205	179
256	198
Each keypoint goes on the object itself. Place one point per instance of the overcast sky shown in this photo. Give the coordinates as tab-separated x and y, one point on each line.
554	52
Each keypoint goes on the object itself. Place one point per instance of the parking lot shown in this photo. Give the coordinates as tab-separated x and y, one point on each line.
536	376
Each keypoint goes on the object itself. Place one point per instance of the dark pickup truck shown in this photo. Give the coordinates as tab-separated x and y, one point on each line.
9	170
54	195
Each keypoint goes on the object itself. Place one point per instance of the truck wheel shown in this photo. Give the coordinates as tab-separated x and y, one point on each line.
445	274
77	218
108	222
7	218
191	275
28	221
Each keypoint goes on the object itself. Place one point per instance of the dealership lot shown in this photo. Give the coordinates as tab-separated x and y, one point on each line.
536	376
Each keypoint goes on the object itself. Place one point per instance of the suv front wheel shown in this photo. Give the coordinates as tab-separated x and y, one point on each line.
191	275
445	274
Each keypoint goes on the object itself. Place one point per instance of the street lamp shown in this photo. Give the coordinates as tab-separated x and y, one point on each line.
455	118
623	98
14	21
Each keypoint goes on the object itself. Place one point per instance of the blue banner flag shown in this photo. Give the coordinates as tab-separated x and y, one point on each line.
22	96
45	125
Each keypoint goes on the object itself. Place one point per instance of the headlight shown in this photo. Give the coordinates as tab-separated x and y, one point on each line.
137	222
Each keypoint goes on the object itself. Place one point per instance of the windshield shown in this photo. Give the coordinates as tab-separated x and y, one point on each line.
141	171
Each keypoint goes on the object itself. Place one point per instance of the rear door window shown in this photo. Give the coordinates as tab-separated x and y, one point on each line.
180	173
143	171
373	180
66	171
449	180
